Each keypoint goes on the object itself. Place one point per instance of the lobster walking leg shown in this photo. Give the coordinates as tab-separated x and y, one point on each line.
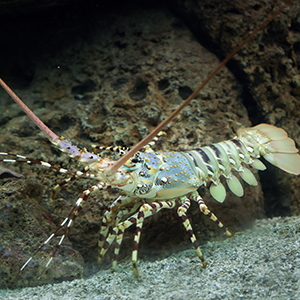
187	224
147	148
120	234
204	209
119	239
107	219
147	210
66	181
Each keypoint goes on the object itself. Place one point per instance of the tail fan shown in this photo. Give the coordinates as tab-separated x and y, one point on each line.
274	145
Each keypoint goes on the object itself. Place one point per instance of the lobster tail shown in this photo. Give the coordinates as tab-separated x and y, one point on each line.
273	144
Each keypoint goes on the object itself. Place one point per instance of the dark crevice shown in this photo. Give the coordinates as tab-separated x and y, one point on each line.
276	195
241	77
139	91
163	84
184	92
249	102
274	203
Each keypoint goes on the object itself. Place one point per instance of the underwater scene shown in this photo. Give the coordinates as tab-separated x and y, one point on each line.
107	74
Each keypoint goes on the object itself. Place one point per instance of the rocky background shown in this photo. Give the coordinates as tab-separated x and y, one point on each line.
107	74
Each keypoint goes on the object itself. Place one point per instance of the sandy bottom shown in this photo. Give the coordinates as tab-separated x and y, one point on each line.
260	263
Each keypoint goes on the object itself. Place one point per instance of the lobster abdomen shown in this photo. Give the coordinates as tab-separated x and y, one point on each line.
167	175
262	140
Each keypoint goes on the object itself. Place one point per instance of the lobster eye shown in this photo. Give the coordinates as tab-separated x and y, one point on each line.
89	158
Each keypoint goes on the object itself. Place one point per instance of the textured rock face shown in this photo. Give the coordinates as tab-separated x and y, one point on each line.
109	78
267	68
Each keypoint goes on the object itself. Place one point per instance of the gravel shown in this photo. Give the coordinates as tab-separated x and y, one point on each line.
260	263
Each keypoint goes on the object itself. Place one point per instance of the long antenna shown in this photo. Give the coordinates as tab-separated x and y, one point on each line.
52	136
159	127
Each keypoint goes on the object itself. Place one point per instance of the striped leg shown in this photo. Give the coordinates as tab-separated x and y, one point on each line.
118	231
106	244
104	232
116	149
112	213
186	223
145	211
70	219
204	209
119	240
147	148
118	234
66	181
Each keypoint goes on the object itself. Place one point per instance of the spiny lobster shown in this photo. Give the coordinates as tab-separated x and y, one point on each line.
150	181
